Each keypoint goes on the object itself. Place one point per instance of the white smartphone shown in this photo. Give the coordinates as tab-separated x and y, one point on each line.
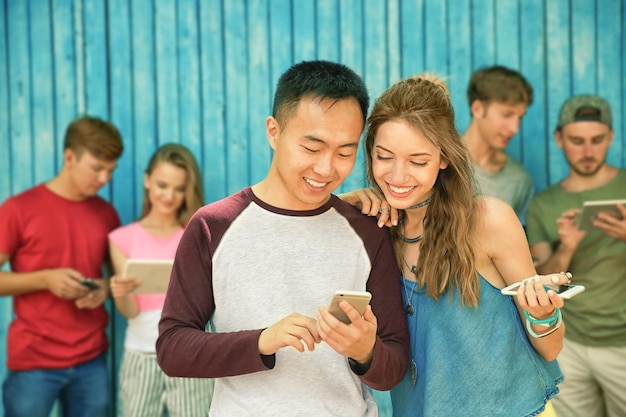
357	299
565	291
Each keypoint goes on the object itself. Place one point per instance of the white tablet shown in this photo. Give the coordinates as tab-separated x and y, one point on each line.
592	208
154	274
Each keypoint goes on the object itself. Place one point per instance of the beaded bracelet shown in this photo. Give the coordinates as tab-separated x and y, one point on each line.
531	332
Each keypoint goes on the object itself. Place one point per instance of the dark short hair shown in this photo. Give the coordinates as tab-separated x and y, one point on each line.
94	135
319	79
499	84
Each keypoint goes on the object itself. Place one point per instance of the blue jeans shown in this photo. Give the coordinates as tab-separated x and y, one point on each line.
82	390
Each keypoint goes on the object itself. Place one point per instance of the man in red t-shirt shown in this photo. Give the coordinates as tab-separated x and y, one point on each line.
55	237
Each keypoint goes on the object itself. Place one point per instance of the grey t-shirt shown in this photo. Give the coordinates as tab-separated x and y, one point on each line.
513	184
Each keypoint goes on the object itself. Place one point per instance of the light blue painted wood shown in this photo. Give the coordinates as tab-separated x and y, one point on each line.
42	122
394	36
583	61
189	101
303	30
460	58
507	34
535	129
213	157
5	137
559	76
65	84
19	99
610	44
483	33
167	61
121	99
94	91
259	79
237	93
140	144
412	37
327	30
351	32
436	38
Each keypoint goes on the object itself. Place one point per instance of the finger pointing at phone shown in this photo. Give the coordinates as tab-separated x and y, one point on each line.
295	330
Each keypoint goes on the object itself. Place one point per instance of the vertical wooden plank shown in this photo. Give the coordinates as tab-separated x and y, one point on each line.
96	75
483	31
436	39
460	58
327	30
352	55
120	87
507	33
95	54
166	66
5	119
536	129
236	55
413	36
20	94
64	57
281	41
42	93
394	34
558	78
375	48
189	76
212	57
144	107
6	303
609	44
622	115
304	31
351	33
260	87
583	38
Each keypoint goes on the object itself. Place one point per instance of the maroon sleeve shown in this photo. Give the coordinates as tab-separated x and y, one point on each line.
183	347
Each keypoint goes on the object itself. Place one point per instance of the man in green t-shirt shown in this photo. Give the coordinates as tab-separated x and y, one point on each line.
593	359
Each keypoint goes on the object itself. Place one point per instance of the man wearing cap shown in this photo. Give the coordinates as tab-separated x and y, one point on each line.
498	98
593	359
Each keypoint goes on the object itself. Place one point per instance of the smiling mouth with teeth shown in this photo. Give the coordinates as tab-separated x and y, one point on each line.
315	183
400	190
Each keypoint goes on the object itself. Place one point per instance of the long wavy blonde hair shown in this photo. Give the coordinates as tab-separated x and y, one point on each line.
446	258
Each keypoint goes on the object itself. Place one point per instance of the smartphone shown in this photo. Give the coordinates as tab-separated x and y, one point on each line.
565	291
89	283
357	299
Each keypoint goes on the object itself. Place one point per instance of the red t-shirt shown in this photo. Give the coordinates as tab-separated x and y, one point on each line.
41	230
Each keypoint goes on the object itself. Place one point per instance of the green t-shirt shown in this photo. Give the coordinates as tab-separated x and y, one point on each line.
597	317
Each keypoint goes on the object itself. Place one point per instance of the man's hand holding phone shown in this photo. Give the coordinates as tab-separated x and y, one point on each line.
356	338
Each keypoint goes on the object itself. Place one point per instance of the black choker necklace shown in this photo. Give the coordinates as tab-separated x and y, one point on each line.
417	238
421	203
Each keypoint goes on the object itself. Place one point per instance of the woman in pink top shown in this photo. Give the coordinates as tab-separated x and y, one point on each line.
172	193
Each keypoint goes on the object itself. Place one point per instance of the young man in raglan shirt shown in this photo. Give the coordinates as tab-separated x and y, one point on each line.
261	265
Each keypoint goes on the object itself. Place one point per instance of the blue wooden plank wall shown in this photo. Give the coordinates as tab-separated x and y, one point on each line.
203	72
